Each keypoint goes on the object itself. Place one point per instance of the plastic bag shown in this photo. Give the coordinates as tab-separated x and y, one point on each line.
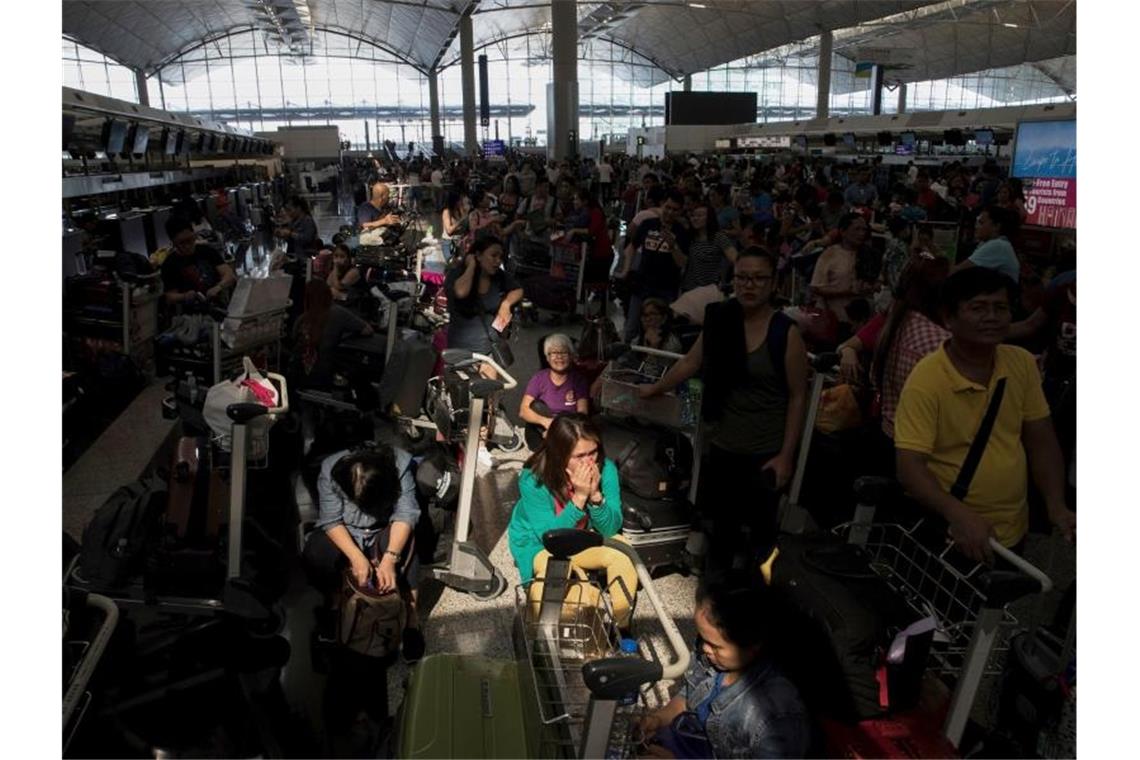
838	410
237	391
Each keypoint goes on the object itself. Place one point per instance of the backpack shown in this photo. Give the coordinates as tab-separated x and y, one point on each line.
116	539
368	622
654	462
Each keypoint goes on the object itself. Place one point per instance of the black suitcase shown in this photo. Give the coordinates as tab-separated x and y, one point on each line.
409	369
658	528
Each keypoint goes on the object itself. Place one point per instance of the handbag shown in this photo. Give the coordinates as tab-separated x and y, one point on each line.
249	386
838	410
500	348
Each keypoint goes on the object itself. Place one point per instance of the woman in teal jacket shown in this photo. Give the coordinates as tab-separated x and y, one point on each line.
568	483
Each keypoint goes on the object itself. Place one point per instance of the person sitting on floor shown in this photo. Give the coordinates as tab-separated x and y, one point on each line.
568	483
558	389
734	703
942	404
344	276
318	332
368	513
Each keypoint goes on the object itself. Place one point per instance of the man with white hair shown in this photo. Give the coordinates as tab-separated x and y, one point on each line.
559	389
377	211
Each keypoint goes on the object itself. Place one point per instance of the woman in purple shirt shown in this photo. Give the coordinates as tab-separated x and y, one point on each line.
553	391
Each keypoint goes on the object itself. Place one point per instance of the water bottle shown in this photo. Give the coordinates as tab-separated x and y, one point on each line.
696	391
629	649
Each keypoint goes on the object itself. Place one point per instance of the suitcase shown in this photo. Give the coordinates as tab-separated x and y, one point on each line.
363	356
467	705
911	736
409	369
658	528
185	481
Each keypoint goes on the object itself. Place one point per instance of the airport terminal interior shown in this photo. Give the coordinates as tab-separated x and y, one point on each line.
551	378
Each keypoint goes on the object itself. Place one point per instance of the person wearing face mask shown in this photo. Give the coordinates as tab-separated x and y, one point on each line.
834	281
754	366
734	701
558	389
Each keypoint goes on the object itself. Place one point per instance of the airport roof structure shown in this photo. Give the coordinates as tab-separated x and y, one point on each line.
916	40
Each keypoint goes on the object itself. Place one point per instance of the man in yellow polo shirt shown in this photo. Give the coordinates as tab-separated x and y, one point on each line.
941	409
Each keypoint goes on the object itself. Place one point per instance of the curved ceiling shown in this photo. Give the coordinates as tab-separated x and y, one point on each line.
936	39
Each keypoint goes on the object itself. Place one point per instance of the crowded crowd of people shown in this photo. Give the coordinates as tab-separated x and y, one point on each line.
763	262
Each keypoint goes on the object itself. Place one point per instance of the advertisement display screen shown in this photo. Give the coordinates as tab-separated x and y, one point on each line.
764	141
493	148
906	138
984	137
1045	149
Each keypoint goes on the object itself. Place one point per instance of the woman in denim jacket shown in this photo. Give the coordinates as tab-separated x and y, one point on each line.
734	702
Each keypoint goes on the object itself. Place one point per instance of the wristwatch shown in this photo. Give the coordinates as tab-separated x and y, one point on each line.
600	502
392	554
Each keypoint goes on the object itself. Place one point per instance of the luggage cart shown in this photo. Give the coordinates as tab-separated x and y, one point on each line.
679	409
970	607
572	691
92	644
793	517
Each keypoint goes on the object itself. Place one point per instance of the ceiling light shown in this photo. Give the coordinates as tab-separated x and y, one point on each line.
1009	25
697	5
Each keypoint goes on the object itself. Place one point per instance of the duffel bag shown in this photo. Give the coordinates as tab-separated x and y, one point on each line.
115	542
653	461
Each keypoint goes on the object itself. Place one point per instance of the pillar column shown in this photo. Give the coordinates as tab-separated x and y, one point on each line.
433	104
467	65
902	97
140	83
877	72
687	83
823	77
562	93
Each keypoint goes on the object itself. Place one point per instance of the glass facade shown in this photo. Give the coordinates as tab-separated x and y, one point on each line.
371	94
85	69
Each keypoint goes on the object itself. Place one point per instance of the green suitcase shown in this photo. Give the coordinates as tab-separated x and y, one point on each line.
467	706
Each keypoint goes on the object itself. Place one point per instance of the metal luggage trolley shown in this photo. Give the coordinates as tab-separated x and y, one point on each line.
568	265
591	686
970	607
678	409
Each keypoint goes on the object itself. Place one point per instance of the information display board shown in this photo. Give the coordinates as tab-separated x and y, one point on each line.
1045	158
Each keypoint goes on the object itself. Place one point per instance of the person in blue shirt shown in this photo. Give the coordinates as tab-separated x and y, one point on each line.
377	211
734	702
368	513
861	192
992	229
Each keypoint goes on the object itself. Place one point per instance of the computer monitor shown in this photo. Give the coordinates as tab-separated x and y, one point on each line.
140	138
114	136
983	136
907	138
849	139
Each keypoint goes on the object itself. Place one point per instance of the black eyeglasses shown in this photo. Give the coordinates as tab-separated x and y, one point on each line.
752	279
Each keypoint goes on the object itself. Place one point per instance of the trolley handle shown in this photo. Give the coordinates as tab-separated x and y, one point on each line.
679	663
508	379
1023	565
656	352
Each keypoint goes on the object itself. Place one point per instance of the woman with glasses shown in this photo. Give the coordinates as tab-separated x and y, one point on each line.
568	483
557	389
754	366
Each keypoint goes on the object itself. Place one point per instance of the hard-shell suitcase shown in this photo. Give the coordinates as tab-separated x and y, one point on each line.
467	706
184	483
658	528
409	369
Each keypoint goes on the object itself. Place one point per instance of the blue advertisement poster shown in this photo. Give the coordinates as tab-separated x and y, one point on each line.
1045	149
493	148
